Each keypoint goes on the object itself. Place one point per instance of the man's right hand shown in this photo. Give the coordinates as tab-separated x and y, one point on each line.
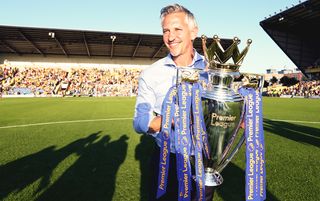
155	124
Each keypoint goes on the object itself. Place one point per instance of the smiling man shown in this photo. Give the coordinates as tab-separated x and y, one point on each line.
179	31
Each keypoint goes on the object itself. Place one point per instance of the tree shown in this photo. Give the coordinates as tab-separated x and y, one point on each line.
284	81
273	80
293	81
288	81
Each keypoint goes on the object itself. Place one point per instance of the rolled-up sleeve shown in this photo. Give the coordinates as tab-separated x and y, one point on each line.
144	107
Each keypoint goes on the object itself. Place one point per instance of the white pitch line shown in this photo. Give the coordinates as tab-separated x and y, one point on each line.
118	119
294	121
65	122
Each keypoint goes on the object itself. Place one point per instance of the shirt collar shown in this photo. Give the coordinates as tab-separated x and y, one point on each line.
195	62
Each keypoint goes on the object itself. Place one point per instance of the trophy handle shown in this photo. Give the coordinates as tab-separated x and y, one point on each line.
226	160
235	150
255	81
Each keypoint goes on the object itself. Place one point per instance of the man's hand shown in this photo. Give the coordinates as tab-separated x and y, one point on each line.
242	125
155	124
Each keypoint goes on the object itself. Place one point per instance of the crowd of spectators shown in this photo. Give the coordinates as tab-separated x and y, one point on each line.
111	81
54	81
306	89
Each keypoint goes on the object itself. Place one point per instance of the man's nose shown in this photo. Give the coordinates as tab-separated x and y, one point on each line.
172	36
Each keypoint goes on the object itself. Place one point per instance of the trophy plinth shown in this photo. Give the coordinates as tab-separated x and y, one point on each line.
212	177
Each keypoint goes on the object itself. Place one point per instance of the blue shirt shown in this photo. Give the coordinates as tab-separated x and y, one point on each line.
154	83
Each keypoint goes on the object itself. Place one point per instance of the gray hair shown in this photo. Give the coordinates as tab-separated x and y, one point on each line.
175	8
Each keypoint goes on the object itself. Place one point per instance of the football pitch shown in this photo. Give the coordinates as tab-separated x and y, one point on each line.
85	149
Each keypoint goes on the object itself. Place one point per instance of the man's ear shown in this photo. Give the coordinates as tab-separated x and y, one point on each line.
194	33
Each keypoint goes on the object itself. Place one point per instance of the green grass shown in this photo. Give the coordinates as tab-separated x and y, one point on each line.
106	160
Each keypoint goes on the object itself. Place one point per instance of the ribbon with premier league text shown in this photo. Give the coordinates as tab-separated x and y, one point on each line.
198	144
182	104
255	153
184	143
168	111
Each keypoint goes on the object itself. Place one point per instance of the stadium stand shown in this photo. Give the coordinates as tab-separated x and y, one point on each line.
112	81
45	42
304	89
55	81
294	31
28	44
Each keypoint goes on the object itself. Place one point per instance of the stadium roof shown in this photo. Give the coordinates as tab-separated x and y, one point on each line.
46	41
296	31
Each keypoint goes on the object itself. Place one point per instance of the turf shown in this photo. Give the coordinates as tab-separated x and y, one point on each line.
70	158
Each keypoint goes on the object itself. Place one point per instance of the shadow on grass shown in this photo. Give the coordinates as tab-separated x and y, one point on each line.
90	177
299	133
143	153
233	187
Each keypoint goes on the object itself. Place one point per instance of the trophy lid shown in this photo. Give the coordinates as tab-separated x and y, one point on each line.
218	57
187	74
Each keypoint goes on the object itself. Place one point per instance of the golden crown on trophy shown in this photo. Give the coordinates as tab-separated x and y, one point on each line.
218	57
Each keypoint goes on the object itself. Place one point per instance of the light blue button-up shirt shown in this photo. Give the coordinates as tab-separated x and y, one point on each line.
154	83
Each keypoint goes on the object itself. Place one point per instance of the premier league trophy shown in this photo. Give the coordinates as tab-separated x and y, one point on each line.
207	115
223	107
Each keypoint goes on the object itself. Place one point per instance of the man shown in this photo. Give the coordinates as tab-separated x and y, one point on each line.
179	31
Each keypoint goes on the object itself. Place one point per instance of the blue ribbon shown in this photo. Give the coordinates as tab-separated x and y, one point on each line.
189	134
197	140
184	177
168	109
179	157
262	170
255	158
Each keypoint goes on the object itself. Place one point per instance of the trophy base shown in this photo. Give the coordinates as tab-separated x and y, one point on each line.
212	177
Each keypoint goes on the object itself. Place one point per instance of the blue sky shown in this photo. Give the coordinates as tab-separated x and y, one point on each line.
226	18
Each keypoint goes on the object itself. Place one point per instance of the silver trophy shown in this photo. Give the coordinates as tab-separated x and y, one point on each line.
223	106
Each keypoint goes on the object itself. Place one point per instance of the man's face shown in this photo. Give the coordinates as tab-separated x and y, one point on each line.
177	34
